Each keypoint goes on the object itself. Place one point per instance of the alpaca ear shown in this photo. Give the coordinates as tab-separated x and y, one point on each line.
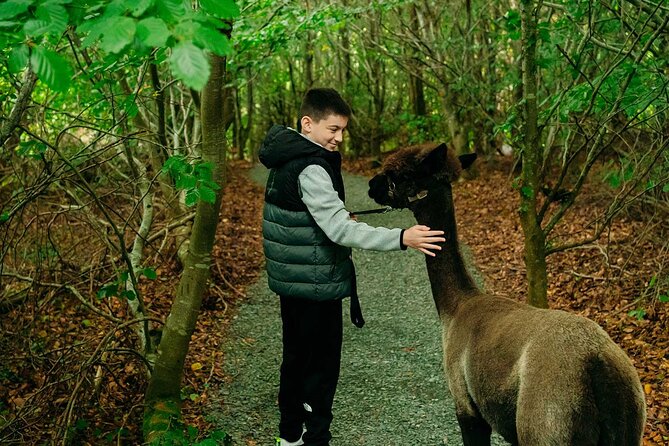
435	160
467	160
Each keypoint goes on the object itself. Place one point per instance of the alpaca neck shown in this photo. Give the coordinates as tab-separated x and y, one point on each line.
450	281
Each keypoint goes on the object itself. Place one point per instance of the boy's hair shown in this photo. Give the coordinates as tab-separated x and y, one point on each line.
319	103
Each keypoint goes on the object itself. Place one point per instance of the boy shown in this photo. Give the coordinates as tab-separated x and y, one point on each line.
308	235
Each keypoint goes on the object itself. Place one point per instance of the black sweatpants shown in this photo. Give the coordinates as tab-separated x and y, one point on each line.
312	338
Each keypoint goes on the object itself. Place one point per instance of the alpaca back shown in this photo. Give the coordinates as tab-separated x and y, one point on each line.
541	376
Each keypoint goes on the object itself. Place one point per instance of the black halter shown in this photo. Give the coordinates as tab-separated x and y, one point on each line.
419	196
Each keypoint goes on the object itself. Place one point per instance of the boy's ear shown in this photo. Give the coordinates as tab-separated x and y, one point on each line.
435	160
467	159
305	124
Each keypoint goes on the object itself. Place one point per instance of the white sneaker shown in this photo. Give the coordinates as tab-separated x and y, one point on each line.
299	442
283	442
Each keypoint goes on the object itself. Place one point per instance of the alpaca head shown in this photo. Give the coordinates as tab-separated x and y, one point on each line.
410	173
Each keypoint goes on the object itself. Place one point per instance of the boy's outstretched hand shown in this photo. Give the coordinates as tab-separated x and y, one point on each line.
423	239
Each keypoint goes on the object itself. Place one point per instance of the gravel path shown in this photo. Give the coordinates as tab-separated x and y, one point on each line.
391	391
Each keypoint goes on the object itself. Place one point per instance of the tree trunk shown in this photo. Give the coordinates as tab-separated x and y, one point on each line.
415	76
162	399
535	243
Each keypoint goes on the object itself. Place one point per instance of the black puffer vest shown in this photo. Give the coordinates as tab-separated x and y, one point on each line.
301	260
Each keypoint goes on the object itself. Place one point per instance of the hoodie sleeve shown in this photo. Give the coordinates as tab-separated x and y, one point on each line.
331	216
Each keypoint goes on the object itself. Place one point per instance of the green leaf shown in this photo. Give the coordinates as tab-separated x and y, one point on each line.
32	149
213	40
150	273
664	298
189	63
639	313
544	32
204	171
527	191
174	165
223	9
665	188
18	58
139	7
210	184
51	69
55	15
130	106
191	197
172	11
152	32
207	195
185	181
108	290
36	28
129	294
12	8
4	217
118	33
93	30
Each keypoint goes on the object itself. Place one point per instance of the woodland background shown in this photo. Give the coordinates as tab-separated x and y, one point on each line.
125	124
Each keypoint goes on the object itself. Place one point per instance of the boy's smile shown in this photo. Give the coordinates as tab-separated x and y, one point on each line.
327	132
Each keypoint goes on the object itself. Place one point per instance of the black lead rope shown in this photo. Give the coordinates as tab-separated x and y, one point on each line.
356	310
372	211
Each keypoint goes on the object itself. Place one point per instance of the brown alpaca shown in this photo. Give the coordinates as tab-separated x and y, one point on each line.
537	377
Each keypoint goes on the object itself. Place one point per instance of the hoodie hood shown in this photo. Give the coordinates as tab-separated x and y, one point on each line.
283	144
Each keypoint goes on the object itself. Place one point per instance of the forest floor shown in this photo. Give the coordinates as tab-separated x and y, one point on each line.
603	281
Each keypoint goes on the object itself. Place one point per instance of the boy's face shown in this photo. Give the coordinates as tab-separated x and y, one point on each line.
328	132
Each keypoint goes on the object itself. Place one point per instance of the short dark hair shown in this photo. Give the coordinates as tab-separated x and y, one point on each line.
319	103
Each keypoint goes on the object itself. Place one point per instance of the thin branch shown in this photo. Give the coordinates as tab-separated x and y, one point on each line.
26	91
70	288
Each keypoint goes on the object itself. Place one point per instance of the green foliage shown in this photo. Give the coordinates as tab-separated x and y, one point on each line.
163	427
31	149
120	28
149	273
189	63
419	128
220	9
512	24
186	435
659	288
638	313
195	178
51	68
527	192
117	288
152	32
617	177
656	289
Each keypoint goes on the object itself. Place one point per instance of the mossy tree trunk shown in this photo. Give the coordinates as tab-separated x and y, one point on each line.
162	397
535	240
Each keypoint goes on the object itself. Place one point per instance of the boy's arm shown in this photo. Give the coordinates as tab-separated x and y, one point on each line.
331	216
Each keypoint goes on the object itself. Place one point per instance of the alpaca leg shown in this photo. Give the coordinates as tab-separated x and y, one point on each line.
475	430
